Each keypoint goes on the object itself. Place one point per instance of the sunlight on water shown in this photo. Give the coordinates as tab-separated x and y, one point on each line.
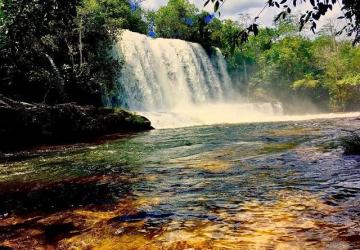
290	222
246	186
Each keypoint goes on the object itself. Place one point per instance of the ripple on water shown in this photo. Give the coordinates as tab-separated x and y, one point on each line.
263	186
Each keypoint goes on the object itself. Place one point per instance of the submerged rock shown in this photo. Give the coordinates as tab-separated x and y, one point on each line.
24	124
351	144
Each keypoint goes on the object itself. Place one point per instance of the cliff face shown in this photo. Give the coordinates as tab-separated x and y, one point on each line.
24	124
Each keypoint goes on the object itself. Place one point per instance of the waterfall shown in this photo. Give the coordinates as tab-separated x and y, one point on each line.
176	83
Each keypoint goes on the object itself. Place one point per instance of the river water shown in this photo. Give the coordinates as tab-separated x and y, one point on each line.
280	185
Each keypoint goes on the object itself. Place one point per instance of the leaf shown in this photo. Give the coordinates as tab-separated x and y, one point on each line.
243	36
301	25
216	6
294	3
255	29
348	14
206	3
277	4
312	2
316	16
313	27
308	16
278	17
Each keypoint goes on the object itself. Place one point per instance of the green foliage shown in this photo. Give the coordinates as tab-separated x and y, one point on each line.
280	63
111	15
100	21
37	33
180	19
2	22
59	51
307	83
170	19
290	59
228	37
341	66
1	11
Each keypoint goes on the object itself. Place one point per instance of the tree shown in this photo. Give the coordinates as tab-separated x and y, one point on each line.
180	19
33	47
58	51
350	8
341	74
336	74
175	20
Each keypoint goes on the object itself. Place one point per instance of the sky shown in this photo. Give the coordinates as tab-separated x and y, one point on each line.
233	8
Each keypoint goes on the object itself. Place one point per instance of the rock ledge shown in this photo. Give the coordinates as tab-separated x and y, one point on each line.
24	124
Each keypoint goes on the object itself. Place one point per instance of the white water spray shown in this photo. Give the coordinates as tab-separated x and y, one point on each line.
175	83
163	74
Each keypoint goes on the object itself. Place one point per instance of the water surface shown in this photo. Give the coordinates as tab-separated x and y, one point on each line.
283	185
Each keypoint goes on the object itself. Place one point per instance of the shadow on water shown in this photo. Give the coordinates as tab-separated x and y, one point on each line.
24	206
55	197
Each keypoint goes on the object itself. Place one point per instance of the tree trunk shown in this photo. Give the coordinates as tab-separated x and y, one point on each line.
80	42
60	79
246	79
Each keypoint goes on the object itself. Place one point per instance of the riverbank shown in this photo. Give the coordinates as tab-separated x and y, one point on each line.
24	125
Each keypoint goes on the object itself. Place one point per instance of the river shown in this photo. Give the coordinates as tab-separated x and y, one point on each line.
278	185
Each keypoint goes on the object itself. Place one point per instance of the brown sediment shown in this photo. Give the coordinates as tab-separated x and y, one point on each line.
277	147
47	230
213	166
297	131
292	221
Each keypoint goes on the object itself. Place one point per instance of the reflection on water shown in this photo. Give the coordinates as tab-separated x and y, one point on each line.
250	186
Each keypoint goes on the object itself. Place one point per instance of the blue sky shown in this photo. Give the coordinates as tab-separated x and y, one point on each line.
233	8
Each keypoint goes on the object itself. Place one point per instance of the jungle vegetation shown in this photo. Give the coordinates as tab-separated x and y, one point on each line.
60	51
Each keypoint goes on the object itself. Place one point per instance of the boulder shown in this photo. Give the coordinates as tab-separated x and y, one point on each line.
24	124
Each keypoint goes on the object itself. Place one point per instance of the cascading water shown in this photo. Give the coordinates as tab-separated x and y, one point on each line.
175	83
